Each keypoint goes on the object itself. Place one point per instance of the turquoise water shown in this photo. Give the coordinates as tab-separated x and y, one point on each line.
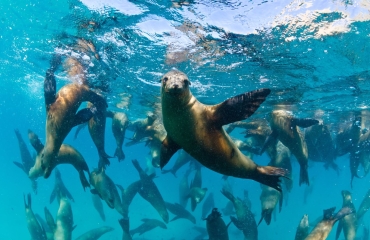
313	55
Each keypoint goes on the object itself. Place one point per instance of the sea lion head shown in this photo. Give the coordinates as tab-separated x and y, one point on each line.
175	83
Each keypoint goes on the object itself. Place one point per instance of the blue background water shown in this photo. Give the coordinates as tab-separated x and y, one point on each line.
317	58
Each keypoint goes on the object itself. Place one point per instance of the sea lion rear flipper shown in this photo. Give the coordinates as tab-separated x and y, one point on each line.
84	115
50	87
304	122
339	230
20	165
303	175
168	149
269	140
239	107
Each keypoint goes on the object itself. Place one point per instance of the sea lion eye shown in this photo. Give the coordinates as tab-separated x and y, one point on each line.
187	81
164	79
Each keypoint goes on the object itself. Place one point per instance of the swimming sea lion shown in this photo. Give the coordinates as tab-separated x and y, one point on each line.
245	219
33	225
323	228
95	234
196	192
197	128
348	136
128	195
184	189
284	127
61	111
106	189
98	205
270	197
180	212
147	225
125	225
119	125
348	223
364	206
150	192
27	160
182	159
228	209
216	227
140	127
66	155
208	205
60	188
302	229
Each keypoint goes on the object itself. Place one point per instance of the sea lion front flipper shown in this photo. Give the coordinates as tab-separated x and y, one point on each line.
83	180
20	165
168	149
269	140
304	122
84	115
339	230
239	107
50	88
175	218
269	176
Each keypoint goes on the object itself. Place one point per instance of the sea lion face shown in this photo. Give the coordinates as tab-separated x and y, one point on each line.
175	83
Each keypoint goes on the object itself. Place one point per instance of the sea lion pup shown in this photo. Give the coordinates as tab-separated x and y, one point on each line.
147	225
60	188
320	146
128	195
182	159
284	127
106	189
302	229
95	234
245	219
348	223
197	128
27	160
98	205
61	114
66	155
33	225
180	212
208	205
216	227
125	225
364	206
119	125
150	192
323	228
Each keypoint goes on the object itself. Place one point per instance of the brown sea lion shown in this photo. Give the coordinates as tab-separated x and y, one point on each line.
60	188
364	206
197	128
184	189
216	227
148	224
324	227
66	155
140	127
349	223
270	197
150	192
106	189
284	127
180	212
27	160
95	234
98	205
33	225
119	125
302	229
125	225
128	194
61	117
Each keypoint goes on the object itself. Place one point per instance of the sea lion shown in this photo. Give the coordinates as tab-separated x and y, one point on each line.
348	136
182	159
140	127
184	189
33	225
197	128
66	155
128	195
281	158
61	114
27	160
228	209
208	205
147	225
50	222
364	206
180	212
245	219
106	189
284	127
196	192
98	205
348	223
302	229
125	225
323	228
95	234
150	192
119	125
270	197
216	227
60	188
202	232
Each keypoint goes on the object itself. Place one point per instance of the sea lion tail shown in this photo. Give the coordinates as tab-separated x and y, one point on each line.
119	154
269	176
303	176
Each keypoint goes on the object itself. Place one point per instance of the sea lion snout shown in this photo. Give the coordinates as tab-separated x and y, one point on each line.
175	82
